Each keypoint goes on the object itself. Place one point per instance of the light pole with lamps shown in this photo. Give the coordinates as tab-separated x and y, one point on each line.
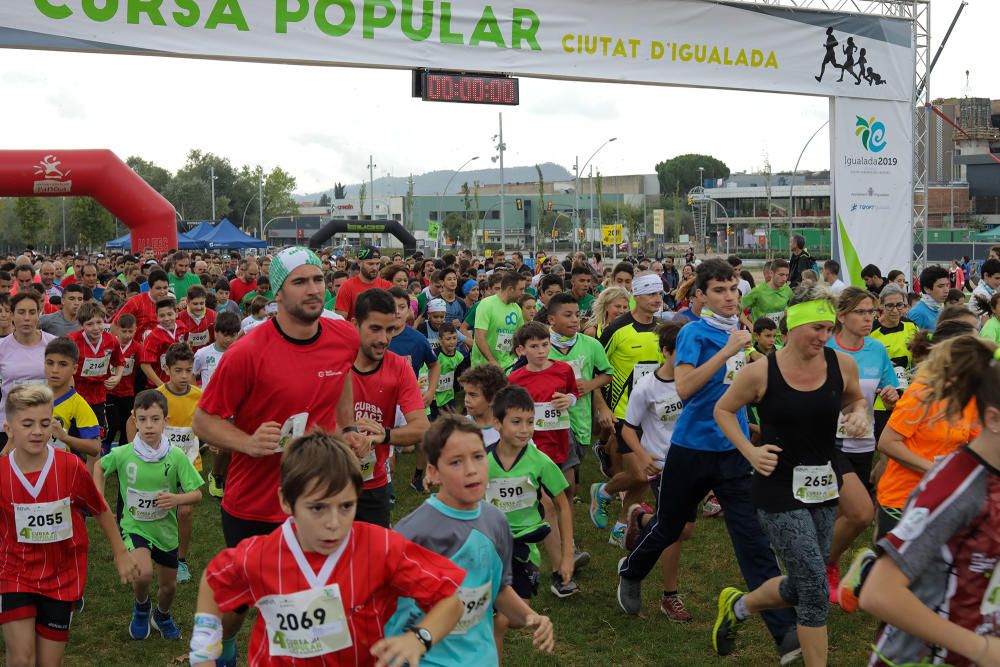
501	147
576	190
440	220
211	171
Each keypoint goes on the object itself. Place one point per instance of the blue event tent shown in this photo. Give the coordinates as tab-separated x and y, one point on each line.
225	236
184	242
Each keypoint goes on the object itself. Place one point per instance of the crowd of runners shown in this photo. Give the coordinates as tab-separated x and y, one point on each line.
823	423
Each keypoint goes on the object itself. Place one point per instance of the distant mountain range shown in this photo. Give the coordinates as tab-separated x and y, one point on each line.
433	182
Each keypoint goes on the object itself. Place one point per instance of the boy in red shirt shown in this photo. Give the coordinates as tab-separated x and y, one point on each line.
325	585
197	319
121	397
101	365
43	570
154	349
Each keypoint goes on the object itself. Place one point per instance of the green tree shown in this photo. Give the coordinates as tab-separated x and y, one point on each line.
362	195
92	221
32	220
158	177
682	171
190	191
454	226
541	202
324	200
408	205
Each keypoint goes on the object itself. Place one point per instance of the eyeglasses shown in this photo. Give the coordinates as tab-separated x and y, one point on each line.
865	313
891	306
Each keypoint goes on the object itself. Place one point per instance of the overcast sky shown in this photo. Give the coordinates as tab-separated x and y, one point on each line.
321	123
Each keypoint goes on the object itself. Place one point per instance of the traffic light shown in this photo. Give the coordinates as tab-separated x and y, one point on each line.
486	236
555	233
579	234
519	204
550	204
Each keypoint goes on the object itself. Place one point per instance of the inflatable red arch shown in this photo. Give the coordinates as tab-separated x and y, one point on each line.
98	174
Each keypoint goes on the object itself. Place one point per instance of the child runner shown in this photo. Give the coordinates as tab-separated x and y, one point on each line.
101	365
197	319
322	582
154	348
206	360
74	425
765	334
650	418
474	535
797	483
518	474
453	362
119	405
935	583
480	385
430	328
552	387
154	479
43	496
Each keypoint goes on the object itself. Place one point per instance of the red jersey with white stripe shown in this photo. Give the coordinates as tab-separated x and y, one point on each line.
376	568
142	307
266	376
130	360
95	365
154	349
57	570
541	385
947	543
376	395
201	331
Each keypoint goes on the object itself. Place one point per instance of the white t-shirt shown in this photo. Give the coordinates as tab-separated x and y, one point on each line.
838	286
654	407
743	287
21	365
250	323
206	360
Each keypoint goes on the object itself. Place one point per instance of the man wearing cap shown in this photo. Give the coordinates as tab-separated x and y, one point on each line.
367	278
284	378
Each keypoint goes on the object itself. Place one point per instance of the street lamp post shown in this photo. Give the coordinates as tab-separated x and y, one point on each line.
553	232
260	200
576	191
212	175
501	147
440	221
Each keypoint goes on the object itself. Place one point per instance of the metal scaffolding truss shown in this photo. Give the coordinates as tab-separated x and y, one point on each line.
919	13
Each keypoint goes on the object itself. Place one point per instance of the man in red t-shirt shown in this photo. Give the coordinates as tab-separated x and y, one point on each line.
382	381
275	383
143	306
347	295
245	280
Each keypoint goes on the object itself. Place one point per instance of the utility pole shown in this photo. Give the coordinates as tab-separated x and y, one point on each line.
501	147
212	173
64	221
371	188
590	221
576	203
260	200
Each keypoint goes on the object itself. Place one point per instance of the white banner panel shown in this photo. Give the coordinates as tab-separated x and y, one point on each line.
678	42
871	166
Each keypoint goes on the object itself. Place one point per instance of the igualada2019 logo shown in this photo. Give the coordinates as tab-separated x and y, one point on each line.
54	179
872	133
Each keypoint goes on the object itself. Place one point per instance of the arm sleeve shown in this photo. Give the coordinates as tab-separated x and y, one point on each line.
109	462
227	576
600	361
199	362
482	317
117	358
909	412
86	421
420	574
571	380
148	353
688	348
636	405
552	477
889	378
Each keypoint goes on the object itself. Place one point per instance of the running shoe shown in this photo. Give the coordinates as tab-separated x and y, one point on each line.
850	585
183	572
673	608
222	662
617	536
561	590
165	624
599	506
724	632
833	578
214	489
580	559
603	458
417	484
139	627
789	650
633	527
712	507
629	592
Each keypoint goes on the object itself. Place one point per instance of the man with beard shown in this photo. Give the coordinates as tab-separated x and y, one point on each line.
382	382
347	296
181	278
252	387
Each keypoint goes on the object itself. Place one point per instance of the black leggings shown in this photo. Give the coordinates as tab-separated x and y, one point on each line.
118	409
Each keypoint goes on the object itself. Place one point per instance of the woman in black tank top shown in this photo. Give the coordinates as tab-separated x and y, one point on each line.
800	392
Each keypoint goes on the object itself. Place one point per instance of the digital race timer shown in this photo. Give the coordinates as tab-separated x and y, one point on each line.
469	88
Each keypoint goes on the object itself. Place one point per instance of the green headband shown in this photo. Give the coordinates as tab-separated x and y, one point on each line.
810	312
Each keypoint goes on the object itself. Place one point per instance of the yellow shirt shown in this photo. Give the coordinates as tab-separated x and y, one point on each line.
180	414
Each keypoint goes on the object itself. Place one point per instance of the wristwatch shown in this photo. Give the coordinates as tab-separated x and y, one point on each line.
350	429
388	435
424	635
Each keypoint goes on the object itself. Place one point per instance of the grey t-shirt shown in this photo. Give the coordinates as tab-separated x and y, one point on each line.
57	325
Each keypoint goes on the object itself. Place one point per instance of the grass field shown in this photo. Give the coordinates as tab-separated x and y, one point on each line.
590	628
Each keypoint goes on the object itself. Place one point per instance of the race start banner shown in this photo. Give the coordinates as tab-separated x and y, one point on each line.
871	168
666	42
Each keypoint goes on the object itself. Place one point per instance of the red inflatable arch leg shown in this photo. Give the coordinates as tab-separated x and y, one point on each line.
98	174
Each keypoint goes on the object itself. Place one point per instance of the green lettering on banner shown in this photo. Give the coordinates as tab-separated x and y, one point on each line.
426	21
190	19
282	17
519	32
53	11
100	14
487	30
447	36
150	8
335	29
369	22
228	12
